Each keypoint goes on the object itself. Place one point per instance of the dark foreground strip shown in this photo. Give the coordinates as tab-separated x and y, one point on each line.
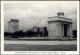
23	47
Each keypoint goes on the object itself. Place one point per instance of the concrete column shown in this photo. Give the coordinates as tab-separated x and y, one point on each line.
62	30
70	30
59	29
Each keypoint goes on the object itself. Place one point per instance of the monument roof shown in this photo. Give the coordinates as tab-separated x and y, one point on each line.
59	18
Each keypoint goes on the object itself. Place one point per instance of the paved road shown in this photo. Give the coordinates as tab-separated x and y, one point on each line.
40	46
42	42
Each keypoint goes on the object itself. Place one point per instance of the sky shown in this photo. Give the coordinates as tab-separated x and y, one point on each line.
36	13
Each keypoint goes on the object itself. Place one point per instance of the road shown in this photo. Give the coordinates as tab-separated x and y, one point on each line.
40	46
41	42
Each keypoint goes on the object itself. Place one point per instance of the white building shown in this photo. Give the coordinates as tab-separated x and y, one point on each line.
13	25
59	26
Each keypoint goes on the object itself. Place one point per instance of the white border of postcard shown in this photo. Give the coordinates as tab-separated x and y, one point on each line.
36	52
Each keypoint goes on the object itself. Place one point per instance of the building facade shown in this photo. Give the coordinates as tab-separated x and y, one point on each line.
59	26
13	25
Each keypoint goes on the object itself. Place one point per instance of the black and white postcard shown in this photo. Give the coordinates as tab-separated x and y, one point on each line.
40	27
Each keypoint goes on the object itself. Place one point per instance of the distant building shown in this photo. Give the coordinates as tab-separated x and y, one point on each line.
13	25
41	31
35	29
59	26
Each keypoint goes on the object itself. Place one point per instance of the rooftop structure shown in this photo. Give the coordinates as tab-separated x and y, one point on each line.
59	17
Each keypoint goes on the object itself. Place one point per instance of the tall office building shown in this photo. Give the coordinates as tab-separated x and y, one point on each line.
13	25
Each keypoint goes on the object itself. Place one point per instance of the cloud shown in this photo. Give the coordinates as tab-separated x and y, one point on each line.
32	14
